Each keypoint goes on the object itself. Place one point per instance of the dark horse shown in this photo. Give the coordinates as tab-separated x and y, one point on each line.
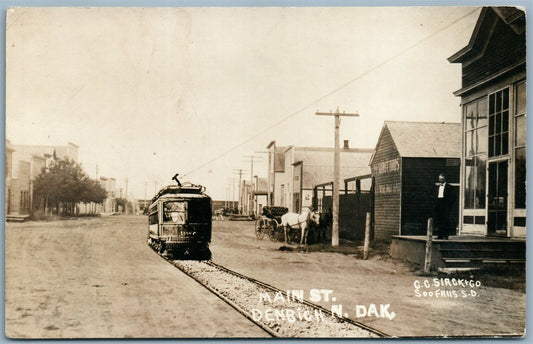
320	231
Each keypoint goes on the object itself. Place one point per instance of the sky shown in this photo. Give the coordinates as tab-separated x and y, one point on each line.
149	92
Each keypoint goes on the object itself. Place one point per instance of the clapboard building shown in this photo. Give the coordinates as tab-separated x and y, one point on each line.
493	126
295	174
407	161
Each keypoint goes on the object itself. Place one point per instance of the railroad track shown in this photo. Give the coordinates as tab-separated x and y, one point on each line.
291	317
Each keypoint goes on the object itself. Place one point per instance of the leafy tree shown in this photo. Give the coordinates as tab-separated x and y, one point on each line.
93	191
64	183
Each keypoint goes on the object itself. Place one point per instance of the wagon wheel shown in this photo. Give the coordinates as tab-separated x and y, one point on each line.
260	228
272	230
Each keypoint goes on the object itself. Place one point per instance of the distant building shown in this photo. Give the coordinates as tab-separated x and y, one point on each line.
493	125
276	170
246	205
23	164
143	204
295	171
110	185
408	159
259	194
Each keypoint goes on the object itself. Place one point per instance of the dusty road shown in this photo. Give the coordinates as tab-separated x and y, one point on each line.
98	278
493	311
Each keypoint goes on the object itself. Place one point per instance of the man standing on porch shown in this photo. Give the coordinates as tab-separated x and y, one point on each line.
443	203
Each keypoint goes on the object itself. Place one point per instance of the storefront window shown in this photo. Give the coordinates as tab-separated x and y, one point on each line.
520	147
499	123
520	178
476	132
475	182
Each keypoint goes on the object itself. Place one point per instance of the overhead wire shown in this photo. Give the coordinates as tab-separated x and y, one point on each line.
337	89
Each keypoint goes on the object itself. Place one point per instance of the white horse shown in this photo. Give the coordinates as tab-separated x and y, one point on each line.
301	221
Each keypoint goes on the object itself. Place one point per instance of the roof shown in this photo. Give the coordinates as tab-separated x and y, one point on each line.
176	191
331	149
425	139
511	16
318	164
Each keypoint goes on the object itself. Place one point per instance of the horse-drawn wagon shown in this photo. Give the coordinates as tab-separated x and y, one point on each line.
277	222
269	221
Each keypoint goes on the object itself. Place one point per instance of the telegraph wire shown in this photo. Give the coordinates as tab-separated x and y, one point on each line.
342	86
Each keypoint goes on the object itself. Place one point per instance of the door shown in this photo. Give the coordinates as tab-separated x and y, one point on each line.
497	198
296	202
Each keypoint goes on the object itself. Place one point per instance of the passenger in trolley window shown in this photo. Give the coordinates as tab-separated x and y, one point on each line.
443	203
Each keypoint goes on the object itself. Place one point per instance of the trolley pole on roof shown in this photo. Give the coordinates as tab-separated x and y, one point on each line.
336	174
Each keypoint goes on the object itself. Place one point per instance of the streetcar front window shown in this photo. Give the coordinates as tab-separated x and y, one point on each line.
174	212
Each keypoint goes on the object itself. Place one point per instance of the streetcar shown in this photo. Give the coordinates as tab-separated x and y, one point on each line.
179	221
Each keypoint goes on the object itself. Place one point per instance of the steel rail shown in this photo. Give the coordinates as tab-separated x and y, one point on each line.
305	302
223	298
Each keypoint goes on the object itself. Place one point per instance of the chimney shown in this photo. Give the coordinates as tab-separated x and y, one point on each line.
346	145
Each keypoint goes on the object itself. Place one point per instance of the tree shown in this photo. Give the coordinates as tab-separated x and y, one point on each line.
64	183
93	191
120	202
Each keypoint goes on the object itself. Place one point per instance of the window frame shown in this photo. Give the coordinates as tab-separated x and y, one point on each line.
477	154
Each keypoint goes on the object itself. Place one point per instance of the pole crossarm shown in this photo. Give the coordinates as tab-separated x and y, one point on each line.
337	113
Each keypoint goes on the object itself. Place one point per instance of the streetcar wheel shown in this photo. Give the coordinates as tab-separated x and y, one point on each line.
260	229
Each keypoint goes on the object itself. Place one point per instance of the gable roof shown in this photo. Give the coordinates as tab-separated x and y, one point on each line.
511	16
425	139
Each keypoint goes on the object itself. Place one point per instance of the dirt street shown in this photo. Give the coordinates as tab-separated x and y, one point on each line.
98	278
493	311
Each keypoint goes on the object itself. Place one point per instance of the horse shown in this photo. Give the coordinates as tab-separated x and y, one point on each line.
301	221
218	215
326	219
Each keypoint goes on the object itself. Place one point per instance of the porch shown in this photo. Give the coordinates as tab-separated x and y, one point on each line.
459	252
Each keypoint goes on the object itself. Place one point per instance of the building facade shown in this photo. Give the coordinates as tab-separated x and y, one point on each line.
260	195
493	99
110	185
276	172
296	171
408	159
23	164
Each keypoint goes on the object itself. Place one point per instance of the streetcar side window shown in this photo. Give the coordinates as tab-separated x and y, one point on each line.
153	218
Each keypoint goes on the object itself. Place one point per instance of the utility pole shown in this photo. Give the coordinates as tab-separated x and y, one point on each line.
226	198
96	171
232	192
239	172
126	188
250	199
336	173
